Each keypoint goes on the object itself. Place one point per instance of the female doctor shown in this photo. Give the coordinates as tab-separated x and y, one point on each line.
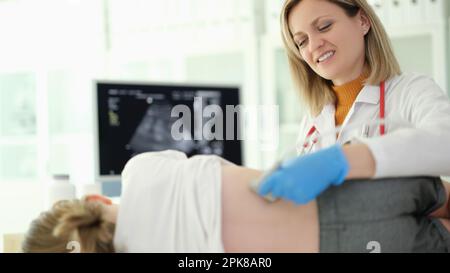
342	62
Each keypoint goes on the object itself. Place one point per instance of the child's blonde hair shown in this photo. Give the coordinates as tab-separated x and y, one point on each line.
68	222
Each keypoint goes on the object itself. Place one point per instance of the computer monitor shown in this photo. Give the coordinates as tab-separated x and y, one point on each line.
134	118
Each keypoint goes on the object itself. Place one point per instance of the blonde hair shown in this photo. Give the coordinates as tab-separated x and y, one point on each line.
75	221
316	91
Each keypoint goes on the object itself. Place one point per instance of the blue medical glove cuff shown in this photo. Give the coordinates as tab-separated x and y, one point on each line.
331	161
340	162
304	178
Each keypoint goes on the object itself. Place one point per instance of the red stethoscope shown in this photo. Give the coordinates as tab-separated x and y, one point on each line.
382	116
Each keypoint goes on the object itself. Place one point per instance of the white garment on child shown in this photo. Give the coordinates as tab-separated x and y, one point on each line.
170	204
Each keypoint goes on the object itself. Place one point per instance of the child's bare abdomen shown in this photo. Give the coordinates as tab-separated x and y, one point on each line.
250	224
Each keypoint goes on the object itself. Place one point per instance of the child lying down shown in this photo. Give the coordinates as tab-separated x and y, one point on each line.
204	204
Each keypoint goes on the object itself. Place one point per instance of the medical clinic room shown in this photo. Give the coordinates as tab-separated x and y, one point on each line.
224	126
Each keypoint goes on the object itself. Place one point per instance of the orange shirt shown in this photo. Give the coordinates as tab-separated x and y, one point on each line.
346	95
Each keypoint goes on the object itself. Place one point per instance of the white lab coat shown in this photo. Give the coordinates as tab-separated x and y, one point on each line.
417	140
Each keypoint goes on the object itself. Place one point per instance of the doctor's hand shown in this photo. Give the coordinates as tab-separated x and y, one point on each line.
303	179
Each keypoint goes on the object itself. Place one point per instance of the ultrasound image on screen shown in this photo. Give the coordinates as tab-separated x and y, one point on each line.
134	119
154	132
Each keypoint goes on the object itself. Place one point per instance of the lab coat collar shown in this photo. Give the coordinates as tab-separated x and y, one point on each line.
322	121
369	94
325	121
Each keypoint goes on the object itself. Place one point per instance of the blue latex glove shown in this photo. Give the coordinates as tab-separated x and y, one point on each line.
303	179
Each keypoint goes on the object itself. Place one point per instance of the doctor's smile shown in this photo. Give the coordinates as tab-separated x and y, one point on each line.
326	57
361	134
